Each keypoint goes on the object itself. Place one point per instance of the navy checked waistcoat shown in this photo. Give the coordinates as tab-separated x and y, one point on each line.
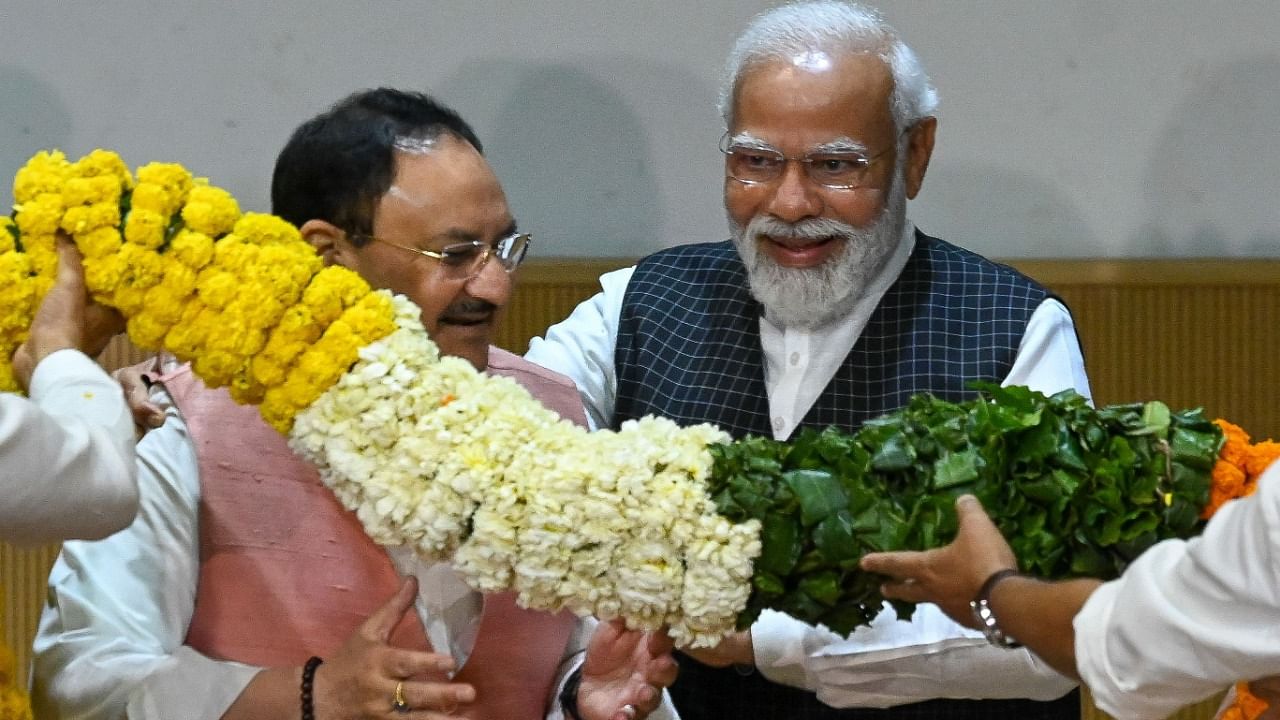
689	349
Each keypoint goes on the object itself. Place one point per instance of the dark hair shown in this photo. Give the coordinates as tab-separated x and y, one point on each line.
336	165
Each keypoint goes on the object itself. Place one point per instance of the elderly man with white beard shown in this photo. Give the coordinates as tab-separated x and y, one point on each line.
828	307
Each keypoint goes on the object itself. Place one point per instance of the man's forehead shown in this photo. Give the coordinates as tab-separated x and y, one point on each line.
418	198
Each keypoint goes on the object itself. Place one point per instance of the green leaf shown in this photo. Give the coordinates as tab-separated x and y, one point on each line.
956	468
818	492
780	545
834	538
895	454
822	587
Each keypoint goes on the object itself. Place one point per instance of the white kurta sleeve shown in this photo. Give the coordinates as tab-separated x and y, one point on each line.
1187	619
1049	357
118	609
581	347
66	455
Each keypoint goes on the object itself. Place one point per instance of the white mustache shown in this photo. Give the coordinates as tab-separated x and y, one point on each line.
810	229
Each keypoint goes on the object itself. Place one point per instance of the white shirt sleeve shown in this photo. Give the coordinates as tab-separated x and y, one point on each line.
1049	357
66	455
581	347
118	609
1187	619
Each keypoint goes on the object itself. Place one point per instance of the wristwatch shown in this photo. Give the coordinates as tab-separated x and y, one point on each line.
985	617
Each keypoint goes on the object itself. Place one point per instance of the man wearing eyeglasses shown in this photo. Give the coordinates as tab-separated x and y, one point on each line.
275	604
827	307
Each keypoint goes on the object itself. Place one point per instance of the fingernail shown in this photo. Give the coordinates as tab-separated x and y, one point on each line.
464	694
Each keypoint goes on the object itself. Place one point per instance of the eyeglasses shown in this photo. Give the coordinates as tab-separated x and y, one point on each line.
465	260
756	165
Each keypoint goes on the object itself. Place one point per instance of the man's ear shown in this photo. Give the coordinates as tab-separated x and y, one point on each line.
919	150
330	242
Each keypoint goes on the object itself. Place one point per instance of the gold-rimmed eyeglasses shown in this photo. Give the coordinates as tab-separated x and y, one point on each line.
757	164
465	260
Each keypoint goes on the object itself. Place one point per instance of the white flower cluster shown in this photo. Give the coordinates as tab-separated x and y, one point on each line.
470	468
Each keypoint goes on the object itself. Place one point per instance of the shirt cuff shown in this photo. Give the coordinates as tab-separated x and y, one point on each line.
779	644
189	686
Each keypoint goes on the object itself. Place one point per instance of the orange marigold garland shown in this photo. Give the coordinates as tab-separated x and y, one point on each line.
1239	465
1235	475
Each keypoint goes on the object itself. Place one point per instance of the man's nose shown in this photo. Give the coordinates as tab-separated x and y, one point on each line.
795	196
491	283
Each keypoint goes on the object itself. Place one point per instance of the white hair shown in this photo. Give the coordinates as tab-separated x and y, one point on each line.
836	28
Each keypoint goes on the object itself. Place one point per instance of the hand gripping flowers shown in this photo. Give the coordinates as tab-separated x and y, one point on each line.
658	524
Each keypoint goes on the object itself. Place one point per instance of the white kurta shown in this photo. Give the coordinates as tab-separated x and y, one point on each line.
891	662
66	455
1188	618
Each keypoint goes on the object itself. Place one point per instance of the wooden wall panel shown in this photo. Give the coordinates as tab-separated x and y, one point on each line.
1190	332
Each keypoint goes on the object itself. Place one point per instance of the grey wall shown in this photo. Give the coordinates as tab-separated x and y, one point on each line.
1070	128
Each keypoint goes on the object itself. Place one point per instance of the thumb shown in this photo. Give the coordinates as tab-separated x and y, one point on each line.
70	265
384	619
971	515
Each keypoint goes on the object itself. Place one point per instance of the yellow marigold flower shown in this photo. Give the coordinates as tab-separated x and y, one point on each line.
235	254
210	210
145	228
373	318
300	391
216	368
99	243
91	191
264	313
17	295
266	371
44	259
236	338
172	181
331	291
142	270
40	215
87	218
244	391
185	338
179	279
146	330
288	269
40	284
217	288
330	357
8	383
44	173
277	410
103	276
153	198
104	162
261	229
191	248
8	232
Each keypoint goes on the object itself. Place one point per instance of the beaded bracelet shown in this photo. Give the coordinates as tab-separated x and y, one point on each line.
308	679
569	695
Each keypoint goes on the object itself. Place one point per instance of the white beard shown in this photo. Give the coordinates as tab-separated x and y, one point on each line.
812	297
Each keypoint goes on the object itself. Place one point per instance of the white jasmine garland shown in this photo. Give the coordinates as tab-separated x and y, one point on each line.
470	468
